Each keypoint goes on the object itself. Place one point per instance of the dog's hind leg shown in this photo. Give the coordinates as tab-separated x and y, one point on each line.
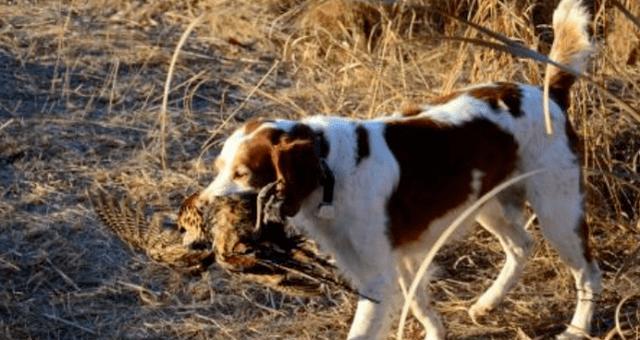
503	217
557	200
421	304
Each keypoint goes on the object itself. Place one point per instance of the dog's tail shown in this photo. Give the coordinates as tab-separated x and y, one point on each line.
571	47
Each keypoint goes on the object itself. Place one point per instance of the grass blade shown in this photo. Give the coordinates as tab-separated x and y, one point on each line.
634	19
167	88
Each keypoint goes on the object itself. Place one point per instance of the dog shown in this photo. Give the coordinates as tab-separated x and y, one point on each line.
376	194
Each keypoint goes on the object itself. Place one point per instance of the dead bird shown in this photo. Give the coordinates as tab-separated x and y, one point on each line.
274	255
222	232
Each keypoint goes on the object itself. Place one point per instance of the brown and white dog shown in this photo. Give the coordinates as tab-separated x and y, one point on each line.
399	181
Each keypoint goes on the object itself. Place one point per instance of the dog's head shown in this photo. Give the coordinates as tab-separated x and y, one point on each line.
266	151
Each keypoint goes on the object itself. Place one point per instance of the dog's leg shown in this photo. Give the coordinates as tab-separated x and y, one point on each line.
421	304
557	200
373	273
504	219
372	320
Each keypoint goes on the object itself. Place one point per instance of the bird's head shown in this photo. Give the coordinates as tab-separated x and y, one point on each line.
191	222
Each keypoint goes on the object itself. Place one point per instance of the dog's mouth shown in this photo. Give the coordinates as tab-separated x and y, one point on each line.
200	245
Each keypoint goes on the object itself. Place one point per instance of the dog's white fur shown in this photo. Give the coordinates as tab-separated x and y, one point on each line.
357	235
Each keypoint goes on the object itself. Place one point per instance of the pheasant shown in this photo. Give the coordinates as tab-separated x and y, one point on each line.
222	232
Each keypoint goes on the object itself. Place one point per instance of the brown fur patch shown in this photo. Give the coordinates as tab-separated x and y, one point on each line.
444	98
254	123
410	109
575	144
290	157
582	229
255	155
508	93
583	232
559	87
436	164
362	137
298	171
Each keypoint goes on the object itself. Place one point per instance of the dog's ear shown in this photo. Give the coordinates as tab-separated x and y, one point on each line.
298	171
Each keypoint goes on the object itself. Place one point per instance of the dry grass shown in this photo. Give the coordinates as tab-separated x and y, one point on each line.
81	91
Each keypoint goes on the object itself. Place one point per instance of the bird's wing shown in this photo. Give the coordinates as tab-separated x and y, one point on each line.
121	217
128	221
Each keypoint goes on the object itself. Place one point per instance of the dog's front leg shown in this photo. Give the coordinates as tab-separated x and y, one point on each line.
372	319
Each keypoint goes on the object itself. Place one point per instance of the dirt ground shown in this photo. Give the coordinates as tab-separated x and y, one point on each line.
81	104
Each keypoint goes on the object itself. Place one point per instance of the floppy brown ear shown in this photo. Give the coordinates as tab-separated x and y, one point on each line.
298	172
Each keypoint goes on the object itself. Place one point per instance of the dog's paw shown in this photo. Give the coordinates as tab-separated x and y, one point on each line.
433	337
571	334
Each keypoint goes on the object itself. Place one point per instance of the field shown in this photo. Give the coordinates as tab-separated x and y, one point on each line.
82	104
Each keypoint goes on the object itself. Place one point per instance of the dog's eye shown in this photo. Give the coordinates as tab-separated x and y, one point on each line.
241	174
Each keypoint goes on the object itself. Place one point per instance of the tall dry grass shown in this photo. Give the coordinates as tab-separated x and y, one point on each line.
81	96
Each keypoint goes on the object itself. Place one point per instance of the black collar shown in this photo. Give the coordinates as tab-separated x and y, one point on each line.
327	179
